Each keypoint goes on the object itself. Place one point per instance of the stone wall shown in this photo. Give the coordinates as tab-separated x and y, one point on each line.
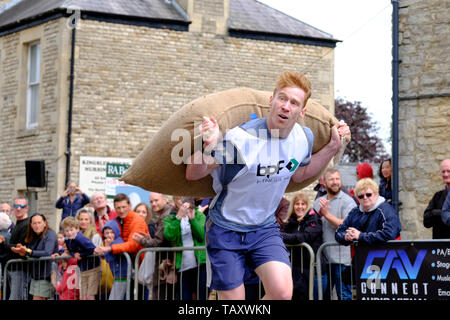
424	108
17	143
121	102
128	81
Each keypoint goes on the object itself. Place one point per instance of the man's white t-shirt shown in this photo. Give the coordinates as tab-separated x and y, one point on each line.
255	170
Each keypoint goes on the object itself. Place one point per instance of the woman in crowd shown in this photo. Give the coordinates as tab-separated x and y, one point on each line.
87	226
373	221
303	225
40	241
144	211
385	172
102	275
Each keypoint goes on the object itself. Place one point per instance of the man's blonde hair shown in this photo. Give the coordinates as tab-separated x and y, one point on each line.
290	79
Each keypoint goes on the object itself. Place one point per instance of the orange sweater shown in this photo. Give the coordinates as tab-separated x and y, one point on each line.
131	224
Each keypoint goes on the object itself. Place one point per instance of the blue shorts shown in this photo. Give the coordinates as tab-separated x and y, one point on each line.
235	255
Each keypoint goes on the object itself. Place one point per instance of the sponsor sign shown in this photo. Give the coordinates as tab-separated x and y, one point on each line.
93	173
403	270
102	174
113	186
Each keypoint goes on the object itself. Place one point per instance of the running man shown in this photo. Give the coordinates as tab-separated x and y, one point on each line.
251	167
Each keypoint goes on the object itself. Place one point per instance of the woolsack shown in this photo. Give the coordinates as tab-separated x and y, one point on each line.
154	170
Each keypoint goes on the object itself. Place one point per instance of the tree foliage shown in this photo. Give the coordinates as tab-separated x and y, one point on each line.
365	145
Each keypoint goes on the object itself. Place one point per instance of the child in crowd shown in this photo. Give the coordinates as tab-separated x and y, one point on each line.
65	272
65	279
81	248
117	262
61	242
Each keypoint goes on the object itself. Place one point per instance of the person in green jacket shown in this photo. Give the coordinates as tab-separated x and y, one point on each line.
186	228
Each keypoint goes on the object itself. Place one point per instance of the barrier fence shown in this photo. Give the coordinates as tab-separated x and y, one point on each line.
339	272
62	278
155	279
161	285
157	273
153	275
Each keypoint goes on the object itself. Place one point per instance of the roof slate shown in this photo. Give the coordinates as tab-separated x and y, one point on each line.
153	9
245	15
254	16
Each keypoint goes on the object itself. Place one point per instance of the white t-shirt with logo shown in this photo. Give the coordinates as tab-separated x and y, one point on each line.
256	169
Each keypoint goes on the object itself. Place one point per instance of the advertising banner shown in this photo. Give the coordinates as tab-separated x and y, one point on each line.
93	173
101	174
113	186
403	270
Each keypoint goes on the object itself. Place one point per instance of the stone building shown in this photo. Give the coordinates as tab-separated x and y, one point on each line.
105	87
424	107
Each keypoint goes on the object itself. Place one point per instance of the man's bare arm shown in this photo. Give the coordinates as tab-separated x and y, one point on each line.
199	166
202	164
321	158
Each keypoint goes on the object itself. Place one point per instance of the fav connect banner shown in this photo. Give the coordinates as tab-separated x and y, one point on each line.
403	270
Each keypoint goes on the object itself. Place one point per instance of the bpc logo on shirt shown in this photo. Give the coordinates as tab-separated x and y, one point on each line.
275	169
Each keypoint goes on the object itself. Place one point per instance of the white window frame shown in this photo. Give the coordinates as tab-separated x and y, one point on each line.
32	111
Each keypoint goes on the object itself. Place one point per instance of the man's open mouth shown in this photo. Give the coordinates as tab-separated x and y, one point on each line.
283	117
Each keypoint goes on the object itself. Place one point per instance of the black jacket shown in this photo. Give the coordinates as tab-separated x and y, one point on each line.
309	230
18	235
385	189
432	216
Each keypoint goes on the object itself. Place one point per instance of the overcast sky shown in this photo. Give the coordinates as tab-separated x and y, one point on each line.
363	58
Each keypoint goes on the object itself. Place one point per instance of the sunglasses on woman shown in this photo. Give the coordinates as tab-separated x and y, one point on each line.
368	195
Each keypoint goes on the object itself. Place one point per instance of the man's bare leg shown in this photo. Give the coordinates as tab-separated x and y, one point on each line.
237	293
276	277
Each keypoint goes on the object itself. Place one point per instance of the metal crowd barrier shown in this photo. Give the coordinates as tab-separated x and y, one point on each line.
23	268
329	273
311	266
159	289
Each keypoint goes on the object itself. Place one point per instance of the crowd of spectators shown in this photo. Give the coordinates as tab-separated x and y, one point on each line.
87	260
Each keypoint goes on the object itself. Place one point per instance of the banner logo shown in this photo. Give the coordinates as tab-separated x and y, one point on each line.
393	259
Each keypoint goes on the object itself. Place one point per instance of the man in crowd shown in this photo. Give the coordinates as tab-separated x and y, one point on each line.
6	208
18	278
130	223
160	210
432	215
334	208
103	212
